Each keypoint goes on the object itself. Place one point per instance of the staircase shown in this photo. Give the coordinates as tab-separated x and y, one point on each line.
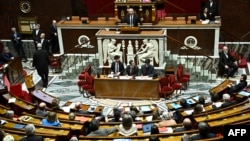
202	69
74	64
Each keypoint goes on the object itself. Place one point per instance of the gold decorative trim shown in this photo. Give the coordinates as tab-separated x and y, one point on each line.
25	6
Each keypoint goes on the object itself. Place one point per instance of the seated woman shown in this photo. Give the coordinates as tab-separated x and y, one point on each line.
51	120
55	105
154	129
127	127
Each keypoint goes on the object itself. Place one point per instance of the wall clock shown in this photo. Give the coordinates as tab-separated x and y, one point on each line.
25	6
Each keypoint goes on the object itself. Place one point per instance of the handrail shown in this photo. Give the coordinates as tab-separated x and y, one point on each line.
245	35
171	38
174	5
230	34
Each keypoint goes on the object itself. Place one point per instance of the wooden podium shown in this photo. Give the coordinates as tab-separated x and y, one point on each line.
129	30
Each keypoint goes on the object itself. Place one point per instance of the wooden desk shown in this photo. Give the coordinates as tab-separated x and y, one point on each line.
221	87
21	105
227	120
41	96
126	88
223	113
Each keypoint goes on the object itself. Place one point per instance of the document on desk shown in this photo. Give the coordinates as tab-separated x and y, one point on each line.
143	78
189	112
190	101
243	93
125	77
12	100
175	106
145	108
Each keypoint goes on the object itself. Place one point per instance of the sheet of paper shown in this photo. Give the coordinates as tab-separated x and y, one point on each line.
189	112
12	100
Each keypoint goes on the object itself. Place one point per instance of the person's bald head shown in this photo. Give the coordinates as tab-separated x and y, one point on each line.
187	123
78	105
225	49
42	105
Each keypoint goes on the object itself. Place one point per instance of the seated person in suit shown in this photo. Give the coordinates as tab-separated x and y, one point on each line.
154	138
6	56
8	137
55	105
116	114
154	130
203	132
240	86
41	110
147	69
127	127
30	134
201	100
226	101
186	137
132	19
227	63
72	116
51	120
167	119
132	69
95	131
205	15
78	108
187	125
117	67
198	109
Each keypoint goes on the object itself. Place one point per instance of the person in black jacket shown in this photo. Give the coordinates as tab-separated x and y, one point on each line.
54	37
240	86
41	63
36	33
44	42
227	63
117	66
30	132
132	19
132	69
16	39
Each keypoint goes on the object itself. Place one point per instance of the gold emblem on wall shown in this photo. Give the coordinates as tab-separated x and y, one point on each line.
25	6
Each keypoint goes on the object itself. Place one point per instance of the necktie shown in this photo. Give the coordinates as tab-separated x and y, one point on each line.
131	69
117	68
131	20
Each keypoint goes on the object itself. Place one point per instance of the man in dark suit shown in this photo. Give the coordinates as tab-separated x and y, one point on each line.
212	9
95	131
203	132
147	69
41	63
54	37
117	67
187	126
132	69
36	34
6	56
30	132
227	63
240	86
132	19
44	42
16	39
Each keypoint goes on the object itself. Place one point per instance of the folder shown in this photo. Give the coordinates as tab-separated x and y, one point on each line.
147	127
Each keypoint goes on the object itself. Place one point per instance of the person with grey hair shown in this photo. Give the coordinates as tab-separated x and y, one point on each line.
30	132
41	62
8	137
127	127
227	101
186	137
6	56
36	34
10	115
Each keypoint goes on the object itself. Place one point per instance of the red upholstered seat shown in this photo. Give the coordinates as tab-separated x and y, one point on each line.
55	63
89	85
242	63
182	78
164	87
17	91
174	84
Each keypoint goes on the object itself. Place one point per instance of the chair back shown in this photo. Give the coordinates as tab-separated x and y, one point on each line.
172	79
164	81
